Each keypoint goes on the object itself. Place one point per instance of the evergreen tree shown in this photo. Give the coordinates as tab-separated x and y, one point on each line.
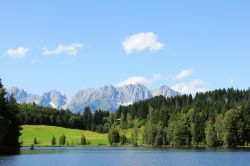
150	130
35	142
83	140
9	124
219	131
123	121
149	133
62	140
21	141
246	115
178	132
210	134
159	136
134	137
113	136
129	120
198	128
53	141
4	125
87	118
233	128
123	139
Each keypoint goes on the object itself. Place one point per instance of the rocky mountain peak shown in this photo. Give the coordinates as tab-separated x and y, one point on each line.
106	98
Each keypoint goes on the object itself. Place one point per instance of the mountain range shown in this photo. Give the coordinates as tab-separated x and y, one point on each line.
105	98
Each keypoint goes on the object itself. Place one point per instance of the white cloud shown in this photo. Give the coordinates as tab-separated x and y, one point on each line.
19	52
190	87
135	80
183	74
139	80
142	41
67	49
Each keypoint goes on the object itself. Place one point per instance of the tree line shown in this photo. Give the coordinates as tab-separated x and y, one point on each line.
37	115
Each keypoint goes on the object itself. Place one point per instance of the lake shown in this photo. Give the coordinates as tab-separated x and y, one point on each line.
123	156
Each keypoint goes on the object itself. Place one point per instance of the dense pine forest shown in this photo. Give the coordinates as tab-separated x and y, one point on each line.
214	118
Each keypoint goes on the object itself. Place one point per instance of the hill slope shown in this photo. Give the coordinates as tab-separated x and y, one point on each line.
44	134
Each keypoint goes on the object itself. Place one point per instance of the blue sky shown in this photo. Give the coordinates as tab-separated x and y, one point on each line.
69	45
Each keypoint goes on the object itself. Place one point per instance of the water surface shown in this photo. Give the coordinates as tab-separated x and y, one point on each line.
123	156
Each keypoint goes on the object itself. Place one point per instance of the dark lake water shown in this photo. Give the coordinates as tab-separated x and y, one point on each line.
123	156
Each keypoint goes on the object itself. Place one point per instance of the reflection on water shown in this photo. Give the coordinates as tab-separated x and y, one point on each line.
123	156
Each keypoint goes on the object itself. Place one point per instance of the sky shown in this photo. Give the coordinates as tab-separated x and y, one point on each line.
71	45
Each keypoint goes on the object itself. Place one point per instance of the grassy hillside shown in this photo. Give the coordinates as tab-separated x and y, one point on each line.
44	134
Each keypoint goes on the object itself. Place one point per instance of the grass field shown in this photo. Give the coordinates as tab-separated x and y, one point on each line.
44	134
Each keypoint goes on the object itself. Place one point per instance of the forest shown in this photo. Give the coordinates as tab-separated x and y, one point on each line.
210	119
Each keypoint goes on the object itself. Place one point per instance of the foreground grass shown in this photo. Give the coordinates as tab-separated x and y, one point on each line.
44	134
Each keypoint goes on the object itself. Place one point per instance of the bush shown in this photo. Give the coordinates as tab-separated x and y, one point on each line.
113	136
83	140
53	141
62	140
123	139
35	142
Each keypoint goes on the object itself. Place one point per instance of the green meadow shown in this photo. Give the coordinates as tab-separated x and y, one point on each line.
44	134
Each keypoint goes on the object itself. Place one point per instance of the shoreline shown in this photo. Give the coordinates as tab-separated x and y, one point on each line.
140	146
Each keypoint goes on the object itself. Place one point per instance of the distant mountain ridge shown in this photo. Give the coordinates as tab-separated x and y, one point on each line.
52	98
105	98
